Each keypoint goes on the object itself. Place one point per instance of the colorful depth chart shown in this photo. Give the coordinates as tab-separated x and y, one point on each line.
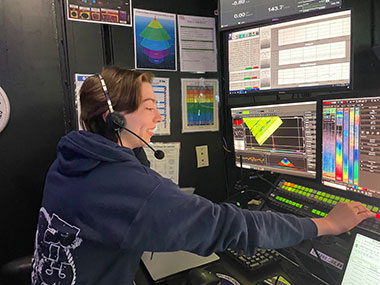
200	105
279	138
115	12
351	145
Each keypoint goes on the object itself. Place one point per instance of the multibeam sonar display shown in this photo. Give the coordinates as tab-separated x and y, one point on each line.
279	138
351	145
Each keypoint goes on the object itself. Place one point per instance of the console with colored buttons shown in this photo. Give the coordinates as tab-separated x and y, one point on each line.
308	199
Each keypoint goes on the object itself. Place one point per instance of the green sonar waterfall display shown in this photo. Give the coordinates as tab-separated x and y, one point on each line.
262	127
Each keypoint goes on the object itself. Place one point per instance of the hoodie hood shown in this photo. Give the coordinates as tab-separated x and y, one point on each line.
81	151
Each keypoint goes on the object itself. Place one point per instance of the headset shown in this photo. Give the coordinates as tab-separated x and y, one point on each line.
116	121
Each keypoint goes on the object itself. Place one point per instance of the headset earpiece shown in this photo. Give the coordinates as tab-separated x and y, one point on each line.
116	121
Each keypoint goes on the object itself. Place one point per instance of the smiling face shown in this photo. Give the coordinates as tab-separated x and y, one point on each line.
142	121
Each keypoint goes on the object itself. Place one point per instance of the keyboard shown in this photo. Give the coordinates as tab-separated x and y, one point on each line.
307	200
261	259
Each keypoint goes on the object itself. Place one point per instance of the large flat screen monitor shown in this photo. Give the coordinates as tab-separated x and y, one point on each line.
351	145
306	54
234	13
279	138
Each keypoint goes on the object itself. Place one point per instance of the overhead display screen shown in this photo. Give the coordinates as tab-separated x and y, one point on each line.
238	12
310	53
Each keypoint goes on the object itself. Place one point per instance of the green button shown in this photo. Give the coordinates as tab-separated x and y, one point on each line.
308	194
334	202
369	207
332	197
301	205
329	201
328	195
341	199
337	198
375	209
313	211
365	205
319	193
347	200
320	198
323	194
318	212
325	200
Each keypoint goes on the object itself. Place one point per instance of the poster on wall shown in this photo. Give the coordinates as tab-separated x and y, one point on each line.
113	12
161	90
200	98
155	40
79	79
197	43
168	167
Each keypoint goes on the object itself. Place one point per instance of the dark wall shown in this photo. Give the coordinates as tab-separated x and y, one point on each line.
30	75
40	52
86	54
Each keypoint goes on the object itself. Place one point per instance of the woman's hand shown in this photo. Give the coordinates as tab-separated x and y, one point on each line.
342	218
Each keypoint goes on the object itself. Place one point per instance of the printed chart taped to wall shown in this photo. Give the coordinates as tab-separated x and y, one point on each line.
79	79
155	40
168	167
200	98
5	110
197	43
113	12
161	90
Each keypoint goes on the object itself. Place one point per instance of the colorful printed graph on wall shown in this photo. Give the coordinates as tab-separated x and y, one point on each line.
262	127
199	101
155	40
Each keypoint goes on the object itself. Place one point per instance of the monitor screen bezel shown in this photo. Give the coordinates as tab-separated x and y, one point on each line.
316	176
276	19
292	90
353	96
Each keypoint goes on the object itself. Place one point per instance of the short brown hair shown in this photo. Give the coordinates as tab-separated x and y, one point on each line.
124	89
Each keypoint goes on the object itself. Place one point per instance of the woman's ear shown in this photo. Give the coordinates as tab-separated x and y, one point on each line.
105	114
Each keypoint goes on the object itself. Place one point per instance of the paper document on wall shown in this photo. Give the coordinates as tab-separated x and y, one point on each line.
168	167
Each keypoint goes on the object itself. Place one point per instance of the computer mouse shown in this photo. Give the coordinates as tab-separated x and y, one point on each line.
201	276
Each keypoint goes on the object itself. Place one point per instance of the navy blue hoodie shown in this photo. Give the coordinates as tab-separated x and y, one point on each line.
102	208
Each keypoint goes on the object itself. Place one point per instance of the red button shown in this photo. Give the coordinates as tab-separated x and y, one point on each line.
378	216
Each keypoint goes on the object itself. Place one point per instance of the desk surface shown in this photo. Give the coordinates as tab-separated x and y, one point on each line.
229	267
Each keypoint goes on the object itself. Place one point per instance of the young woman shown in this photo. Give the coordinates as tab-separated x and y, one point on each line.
102	208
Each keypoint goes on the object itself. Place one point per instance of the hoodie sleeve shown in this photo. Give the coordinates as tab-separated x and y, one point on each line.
172	220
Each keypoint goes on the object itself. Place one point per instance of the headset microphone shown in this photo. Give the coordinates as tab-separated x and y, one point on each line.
117	121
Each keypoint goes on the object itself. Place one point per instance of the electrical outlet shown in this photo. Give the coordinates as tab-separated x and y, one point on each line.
202	156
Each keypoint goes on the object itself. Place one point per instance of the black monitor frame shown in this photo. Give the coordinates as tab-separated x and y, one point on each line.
305	174
272	19
318	89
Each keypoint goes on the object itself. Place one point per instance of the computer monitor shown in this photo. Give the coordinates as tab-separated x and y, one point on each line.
363	266
298	55
351	145
234	13
279	138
